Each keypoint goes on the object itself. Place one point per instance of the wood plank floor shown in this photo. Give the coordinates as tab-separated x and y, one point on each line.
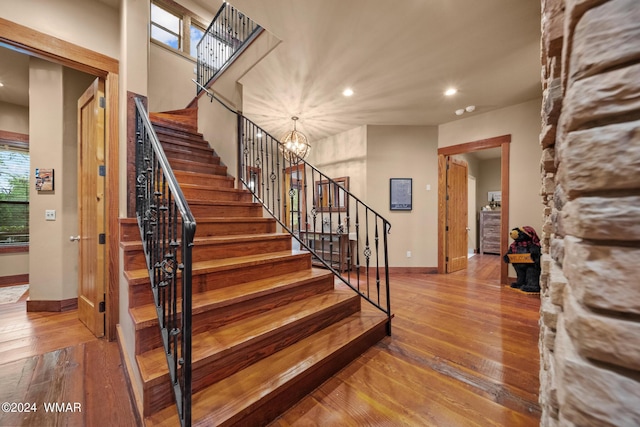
52	358
464	352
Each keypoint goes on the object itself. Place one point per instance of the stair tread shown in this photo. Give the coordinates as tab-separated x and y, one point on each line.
220	401
216	343
223	264
144	316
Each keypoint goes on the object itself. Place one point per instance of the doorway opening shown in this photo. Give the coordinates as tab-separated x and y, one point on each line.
57	51
503	143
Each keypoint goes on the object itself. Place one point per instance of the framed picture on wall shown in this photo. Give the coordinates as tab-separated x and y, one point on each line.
400	198
44	179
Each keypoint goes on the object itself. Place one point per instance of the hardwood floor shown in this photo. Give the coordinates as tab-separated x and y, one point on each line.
464	352
49	358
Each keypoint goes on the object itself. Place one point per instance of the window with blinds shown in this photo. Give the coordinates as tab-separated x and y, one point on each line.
14	195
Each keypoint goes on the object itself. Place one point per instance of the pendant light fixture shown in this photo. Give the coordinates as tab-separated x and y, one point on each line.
294	144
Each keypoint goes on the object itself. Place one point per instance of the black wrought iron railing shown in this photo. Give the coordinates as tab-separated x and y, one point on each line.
342	233
167	228
228	34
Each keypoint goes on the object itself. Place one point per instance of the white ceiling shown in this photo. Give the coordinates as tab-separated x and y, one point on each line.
14	75
398	57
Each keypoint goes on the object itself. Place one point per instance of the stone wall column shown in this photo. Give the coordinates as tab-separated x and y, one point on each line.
590	167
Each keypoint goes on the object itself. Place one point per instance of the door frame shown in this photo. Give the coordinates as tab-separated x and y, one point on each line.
45	46
504	142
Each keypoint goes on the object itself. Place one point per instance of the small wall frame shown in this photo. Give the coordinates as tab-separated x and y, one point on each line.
44	179
400	197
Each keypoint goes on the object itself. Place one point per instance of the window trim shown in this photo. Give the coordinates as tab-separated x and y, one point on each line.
21	141
187	19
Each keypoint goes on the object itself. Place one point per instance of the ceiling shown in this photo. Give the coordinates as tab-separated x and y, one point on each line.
398	58
14	75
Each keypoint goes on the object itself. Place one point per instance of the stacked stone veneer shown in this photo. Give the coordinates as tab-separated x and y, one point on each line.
590	298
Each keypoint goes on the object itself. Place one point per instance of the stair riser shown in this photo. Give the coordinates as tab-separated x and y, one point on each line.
178	164
215	181
232	229
225	211
149	337
129	231
216	195
274	404
184	143
159	393
134	259
140	293
176	132
193	156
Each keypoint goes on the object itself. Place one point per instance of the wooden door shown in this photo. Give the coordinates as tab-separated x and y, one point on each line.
456	227
91	215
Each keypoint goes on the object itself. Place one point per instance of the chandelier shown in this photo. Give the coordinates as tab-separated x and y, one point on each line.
294	144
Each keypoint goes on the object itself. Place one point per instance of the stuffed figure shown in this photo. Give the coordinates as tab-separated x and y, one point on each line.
526	241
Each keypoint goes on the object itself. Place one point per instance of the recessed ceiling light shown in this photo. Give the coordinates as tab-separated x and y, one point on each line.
460	112
347	92
1	84
451	91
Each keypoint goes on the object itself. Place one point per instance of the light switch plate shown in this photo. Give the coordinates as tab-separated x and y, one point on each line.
50	215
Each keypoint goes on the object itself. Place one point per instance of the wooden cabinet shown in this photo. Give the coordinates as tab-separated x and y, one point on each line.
490	232
332	247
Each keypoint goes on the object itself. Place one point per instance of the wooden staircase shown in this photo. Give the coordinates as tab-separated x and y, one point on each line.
267	327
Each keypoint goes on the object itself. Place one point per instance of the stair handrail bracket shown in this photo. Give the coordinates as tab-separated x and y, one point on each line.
318	212
167	229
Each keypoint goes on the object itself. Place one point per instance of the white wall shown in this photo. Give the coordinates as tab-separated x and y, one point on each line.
53	96
341	155
522	121
47	243
406	152
14	118
489	178
170	74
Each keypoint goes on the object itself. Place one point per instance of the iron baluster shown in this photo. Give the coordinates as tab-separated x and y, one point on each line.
167	229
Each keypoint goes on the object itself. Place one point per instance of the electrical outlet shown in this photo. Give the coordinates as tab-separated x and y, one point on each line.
408	254
50	215
428	187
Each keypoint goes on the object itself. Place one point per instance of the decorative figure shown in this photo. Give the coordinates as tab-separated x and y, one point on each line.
524	254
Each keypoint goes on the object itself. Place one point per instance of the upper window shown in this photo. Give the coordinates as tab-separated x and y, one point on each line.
165	26
14	195
195	36
174	26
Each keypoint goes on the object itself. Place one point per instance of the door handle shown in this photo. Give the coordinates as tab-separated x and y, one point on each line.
468	229
74	238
